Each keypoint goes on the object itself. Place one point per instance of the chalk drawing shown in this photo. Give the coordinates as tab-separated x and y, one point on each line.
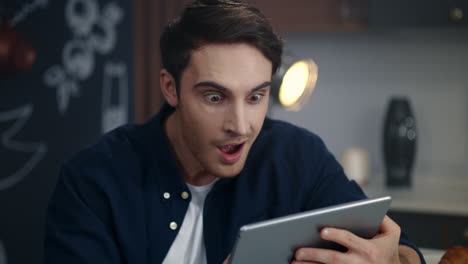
114	96
3	255
105	42
28	9
21	115
94	31
78	59
66	88
81	15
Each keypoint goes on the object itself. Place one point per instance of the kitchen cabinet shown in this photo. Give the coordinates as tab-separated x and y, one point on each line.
433	230
434	211
418	13
315	15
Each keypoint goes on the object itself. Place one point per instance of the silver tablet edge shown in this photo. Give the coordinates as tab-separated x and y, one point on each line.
315	212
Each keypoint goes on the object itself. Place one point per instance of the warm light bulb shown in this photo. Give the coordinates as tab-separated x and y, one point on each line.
297	85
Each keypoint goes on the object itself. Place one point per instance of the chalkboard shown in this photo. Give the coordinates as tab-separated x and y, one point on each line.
78	88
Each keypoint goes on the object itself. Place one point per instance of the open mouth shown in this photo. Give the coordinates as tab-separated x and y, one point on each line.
230	153
230	149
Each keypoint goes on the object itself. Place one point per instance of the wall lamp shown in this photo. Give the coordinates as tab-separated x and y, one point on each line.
294	83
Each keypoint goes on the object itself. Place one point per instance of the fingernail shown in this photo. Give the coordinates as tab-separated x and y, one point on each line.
325	232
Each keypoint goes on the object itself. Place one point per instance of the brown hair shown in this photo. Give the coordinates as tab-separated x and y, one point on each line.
216	21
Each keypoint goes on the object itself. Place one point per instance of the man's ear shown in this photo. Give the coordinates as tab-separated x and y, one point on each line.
168	88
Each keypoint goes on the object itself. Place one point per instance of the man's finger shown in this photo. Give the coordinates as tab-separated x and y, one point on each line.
343	237
318	255
389	226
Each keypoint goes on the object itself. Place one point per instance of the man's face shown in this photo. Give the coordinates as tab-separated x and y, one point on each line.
222	103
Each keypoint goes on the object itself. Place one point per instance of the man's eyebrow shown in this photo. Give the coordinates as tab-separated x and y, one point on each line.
261	86
222	88
210	84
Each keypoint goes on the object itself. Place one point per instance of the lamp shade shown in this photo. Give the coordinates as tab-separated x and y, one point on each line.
294	83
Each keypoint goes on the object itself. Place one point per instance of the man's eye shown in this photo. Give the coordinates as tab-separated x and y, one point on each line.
256	97
213	98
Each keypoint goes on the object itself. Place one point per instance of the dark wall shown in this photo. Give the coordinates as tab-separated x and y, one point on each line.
78	87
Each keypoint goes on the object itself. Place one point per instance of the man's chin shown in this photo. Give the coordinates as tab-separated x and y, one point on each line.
228	171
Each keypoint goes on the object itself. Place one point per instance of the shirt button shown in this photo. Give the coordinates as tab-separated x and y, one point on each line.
166	195
173	225
185	195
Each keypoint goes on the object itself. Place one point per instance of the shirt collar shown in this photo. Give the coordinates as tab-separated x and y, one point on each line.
162	163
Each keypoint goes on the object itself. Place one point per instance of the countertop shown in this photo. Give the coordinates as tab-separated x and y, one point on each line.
432	256
435	191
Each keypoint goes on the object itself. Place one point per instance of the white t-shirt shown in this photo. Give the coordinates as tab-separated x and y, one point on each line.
189	246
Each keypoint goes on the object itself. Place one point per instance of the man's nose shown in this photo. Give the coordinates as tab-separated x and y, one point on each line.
236	122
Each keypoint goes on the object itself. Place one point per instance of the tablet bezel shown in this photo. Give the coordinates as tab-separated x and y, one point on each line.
259	242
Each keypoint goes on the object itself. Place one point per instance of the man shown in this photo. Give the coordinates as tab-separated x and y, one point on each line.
177	189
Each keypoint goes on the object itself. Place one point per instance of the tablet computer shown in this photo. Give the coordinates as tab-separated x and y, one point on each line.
276	240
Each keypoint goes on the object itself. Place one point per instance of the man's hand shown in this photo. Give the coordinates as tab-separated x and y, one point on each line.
383	248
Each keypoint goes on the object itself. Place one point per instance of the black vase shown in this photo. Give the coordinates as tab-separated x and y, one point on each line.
399	142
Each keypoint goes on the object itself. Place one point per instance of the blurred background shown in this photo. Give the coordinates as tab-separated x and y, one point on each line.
70	70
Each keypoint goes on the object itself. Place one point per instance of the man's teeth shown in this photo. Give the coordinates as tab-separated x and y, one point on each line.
230	148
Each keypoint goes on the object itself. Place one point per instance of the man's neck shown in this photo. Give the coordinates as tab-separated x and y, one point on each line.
200	179
191	170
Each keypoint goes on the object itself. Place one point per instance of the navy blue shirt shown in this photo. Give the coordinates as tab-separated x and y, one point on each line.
111	202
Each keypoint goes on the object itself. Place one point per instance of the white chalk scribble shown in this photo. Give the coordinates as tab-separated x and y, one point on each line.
3	255
94	31
28	9
38	150
81	15
114	96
